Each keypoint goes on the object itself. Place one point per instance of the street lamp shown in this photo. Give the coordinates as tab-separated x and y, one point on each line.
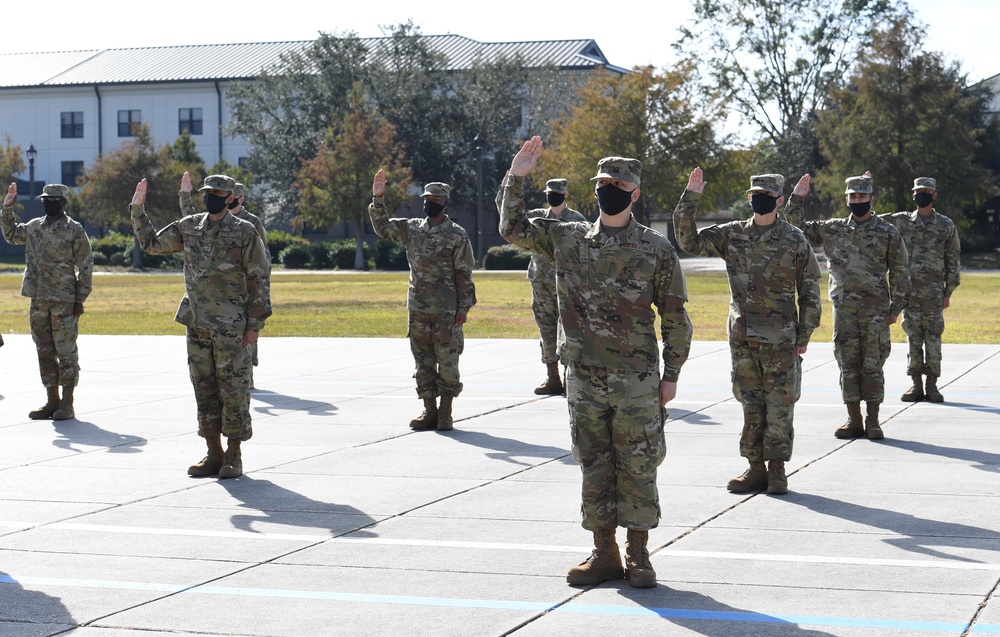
31	153
479	141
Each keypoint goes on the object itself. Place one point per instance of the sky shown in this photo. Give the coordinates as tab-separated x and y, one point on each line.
964	30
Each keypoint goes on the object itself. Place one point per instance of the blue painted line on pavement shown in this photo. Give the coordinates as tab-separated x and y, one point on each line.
498	604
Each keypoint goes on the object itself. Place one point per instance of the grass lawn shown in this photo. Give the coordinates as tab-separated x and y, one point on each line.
374	304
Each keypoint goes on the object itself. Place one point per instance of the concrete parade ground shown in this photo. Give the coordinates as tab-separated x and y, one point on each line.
348	523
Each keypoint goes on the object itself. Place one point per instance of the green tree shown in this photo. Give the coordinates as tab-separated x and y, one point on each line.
647	115
336	184
11	162
906	113
773	63
106	187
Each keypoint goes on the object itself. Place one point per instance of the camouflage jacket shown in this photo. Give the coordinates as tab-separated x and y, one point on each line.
607	288
540	268
440	258
224	268
934	248
59	265
860	255
774	277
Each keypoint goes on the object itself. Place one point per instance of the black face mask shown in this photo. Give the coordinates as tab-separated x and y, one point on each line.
52	206
214	203
234	204
555	198
763	204
860	209
613	200
432	208
923	199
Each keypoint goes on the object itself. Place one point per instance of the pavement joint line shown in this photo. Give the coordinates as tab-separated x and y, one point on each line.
979	611
743	617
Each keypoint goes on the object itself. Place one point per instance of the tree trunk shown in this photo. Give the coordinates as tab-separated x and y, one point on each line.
359	250
136	254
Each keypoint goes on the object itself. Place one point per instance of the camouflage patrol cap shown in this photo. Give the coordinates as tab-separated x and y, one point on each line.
927	183
54	191
240	190
557	185
437	189
621	168
860	184
772	183
219	182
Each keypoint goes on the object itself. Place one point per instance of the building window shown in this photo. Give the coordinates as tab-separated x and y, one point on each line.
70	171
189	120
125	121
72	125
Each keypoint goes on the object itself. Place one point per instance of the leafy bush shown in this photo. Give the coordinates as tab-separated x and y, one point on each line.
342	253
295	256
278	240
506	257
389	255
319	256
112	243
159	262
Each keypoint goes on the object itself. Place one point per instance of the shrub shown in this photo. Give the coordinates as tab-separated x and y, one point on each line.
155	261
342	253
295	256
389	255
278	240
111	243
506	257
319	256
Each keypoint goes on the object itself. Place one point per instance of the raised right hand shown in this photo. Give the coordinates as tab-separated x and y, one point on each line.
378	185
527	158
696	181
186	182
11	196
139	198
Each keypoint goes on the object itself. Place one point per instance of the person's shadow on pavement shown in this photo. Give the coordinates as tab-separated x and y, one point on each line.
81	432
283	402
20	606
983	460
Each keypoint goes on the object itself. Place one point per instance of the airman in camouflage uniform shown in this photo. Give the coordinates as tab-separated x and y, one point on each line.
239	211
861	249
775	307
612	273
542	275
225	307
58	277
440	296
932	241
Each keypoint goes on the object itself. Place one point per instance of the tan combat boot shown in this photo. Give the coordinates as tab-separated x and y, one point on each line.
65	411
445	421
552	385
638	570
51	405
233	466
213	460
933	395
777	481
428	419
872	429
753	479
916	393
604	563
853	428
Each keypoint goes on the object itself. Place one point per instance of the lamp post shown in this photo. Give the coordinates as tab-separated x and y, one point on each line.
479	141
31	153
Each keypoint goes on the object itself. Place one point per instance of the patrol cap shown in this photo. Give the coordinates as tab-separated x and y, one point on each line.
437	189
621	168
928	183
54	191
557	185
240	190
773	184
860	184
219	182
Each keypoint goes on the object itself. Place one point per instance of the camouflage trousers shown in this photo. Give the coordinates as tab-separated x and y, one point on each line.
616	425
436	343
54	329
220	372
923	328
546	311
767	380
861	346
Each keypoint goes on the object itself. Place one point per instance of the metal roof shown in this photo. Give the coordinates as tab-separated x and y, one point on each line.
209	62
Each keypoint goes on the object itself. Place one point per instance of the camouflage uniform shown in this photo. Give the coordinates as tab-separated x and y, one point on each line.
441	287
58	274
187	208
542	275
607	287
224	271
860	255
775	306
934	248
